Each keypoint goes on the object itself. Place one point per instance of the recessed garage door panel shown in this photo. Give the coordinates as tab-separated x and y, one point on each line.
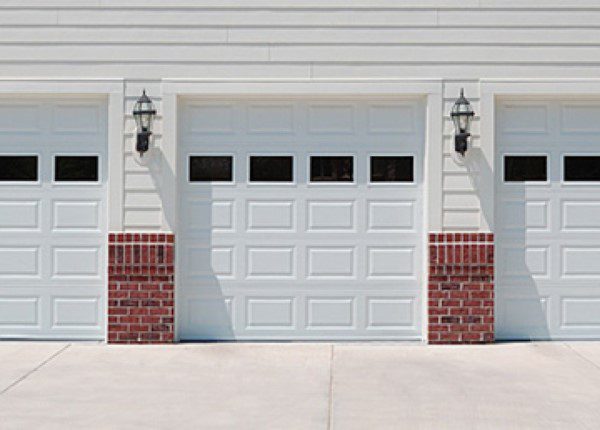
548	228
52	229
325	247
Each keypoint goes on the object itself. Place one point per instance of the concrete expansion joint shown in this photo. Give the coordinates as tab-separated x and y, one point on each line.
330	405
35	369
583	357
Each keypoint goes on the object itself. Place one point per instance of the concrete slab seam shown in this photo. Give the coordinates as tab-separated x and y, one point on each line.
330	411
35	369
583	357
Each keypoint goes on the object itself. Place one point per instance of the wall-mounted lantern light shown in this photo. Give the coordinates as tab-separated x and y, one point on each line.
143	112
462	115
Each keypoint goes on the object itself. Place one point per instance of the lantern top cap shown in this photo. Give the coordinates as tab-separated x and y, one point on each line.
462	106
144	98
144	105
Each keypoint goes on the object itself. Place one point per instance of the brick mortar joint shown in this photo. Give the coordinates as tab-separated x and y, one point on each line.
480	242
459	265
142	242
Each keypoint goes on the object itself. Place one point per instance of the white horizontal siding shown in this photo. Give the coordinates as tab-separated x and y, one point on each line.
243	4
143	41
415	36
48	35
311	4
304	54
263	18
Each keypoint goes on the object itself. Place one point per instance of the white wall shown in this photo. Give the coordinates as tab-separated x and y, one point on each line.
143	41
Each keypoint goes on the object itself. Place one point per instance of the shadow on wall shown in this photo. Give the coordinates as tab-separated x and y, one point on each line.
202	311
521	313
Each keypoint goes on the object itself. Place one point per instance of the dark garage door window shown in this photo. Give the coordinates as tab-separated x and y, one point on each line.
18	168
525	168
332	169
392	169
582	168
271	169
211	168
76	168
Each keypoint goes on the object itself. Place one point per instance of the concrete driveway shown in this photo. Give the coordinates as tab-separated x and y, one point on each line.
299	386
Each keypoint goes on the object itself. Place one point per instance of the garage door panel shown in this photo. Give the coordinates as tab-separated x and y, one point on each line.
580	215
579	118
210	261
524	118
53	234
57	311
581	312
76	312
209	118
548	241
19	261
270	262
394	118
519	216
389	313
331	312
579	261
317	316
331	118
77	215
212	216
204	284
391	216
20	215
270	215
523	261
391	262
19	312
331	262
328	215
80	262
295	260
209	317
77	118
523	317
272	313
271	118
20	118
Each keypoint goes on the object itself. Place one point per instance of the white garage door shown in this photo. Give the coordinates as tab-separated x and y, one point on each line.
300	219
548	219
52	218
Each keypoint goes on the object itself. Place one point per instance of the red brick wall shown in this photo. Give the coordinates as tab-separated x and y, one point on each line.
461	288
141	288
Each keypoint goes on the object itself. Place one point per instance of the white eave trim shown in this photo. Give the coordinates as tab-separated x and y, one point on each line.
61	86
548	87
314	87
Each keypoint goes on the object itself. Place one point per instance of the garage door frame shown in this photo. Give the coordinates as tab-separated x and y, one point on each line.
431	90
491	91
113	91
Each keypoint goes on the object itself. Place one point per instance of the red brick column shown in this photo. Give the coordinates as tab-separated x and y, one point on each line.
461	288
141	288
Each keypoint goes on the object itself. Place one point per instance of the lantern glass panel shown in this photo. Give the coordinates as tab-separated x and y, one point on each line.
465	123
146	120
144	112
461	116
